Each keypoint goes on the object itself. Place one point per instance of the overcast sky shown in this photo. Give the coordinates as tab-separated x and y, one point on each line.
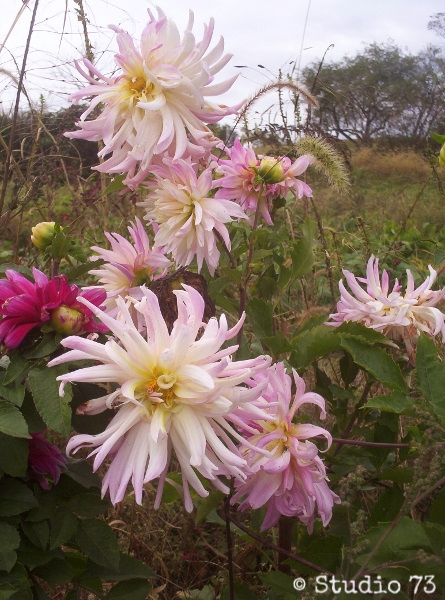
256	32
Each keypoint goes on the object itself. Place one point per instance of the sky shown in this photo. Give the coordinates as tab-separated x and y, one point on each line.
284	35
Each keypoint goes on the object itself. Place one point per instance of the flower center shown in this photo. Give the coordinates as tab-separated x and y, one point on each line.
157	391
139	87
142	276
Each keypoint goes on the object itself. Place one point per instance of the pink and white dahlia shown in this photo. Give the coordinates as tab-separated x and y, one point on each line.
129	265
188	217
25	305
174	394
253	180
400	316
158	101
291	480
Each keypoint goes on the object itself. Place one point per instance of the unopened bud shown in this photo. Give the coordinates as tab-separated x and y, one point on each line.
43	234
442	156
67	321
271	170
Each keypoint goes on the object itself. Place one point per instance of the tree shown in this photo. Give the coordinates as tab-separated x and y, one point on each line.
380	92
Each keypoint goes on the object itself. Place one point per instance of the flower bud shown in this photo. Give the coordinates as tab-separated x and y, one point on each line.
442	156
271	170
43	234
67	321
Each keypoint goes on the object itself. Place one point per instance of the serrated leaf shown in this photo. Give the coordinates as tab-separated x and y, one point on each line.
15	497
16	369
129	568
280	583
360	331
10	541
62	528
376	361
207	504
12	421
260	314
13	455
98	541
37	533
81	471
53	409
18	579
277	344
48	344
394	403
87	505
81	270
302	253
55	572
14	393
431	374
132	589
116	185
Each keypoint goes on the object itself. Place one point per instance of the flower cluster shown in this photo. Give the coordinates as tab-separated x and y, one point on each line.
173	382
400	316
25	305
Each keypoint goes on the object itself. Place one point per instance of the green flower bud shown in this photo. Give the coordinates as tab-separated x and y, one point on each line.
43	234
442	156
67	321
271	170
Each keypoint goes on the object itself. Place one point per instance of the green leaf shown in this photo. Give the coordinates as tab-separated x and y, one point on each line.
431	375
437	137
99	542
81	270
132	589
12	421
14	392
313	344
15	497
48	344
129	568
277	344
10	541
16	369
395	403
54	410
81	471
37	533
56	572
388	505
59	246
206	505
62	528
242	592
302	253
17	578
279	583
87	505
260	314
360	331
116	185
32	417
13	456
376	361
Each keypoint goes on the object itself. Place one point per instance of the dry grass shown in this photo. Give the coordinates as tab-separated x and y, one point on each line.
408	165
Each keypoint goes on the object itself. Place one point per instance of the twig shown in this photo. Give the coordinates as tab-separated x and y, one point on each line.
229	540
272	546
16	109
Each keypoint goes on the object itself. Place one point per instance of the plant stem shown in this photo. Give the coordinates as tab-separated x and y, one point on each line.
229	540
272	546
16	110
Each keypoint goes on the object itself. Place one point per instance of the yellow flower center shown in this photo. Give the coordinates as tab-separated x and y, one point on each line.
157	391
142	276
138	87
